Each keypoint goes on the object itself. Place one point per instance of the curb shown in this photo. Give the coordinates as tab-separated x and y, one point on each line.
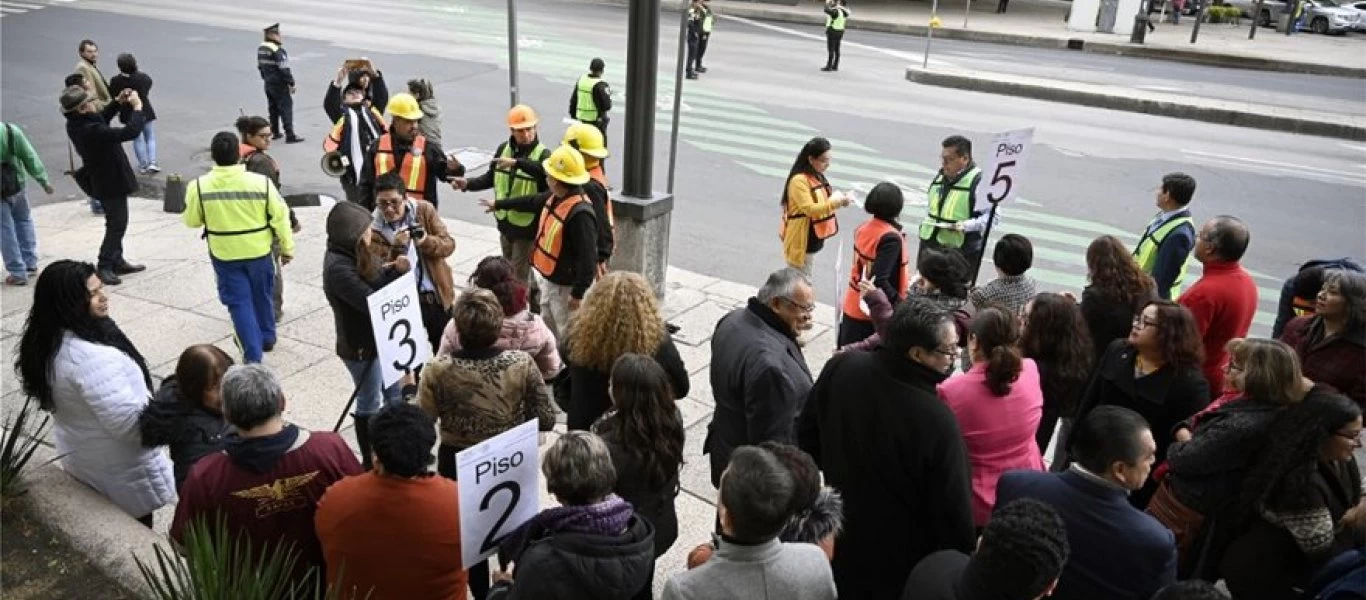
1165	108
1211	59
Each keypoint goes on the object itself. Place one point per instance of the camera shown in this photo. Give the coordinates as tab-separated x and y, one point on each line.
418	234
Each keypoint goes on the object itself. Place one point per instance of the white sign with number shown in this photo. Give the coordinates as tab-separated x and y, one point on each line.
396	317
1005	165
498	489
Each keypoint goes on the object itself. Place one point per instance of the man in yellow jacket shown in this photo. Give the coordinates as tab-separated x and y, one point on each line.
241	213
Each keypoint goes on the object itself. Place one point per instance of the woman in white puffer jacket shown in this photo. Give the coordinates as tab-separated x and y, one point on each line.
79	366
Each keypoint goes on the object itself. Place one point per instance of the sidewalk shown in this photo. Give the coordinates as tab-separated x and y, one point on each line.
174	305
1041	23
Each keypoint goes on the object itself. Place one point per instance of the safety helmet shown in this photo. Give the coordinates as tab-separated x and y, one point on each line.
586	139
404	106
566	165
522	117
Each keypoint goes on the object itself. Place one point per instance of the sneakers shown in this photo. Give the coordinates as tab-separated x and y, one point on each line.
293	139
153	168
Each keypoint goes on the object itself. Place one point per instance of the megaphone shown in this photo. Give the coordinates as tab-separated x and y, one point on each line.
334	164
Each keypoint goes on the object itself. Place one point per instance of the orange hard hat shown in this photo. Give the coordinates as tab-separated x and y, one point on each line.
521	117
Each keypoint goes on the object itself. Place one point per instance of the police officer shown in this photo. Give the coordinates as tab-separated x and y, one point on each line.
592	98
708	20
356	125
836	13
241	213
419	162
273	63
588	141
564	253
953	221
695	17
516	172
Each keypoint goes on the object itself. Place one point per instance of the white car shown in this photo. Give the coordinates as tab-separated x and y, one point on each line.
1360	7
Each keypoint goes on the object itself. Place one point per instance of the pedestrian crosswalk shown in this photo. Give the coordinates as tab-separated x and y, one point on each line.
743	130
10	8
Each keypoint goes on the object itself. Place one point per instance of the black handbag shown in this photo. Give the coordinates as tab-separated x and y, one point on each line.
9	172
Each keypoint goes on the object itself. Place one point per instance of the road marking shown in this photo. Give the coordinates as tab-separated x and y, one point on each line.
1160	88
12	11
907	56
1282	167
1067	151
1272	163
1357	147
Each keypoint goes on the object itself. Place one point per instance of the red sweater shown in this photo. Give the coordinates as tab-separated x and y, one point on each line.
1223	302
393	538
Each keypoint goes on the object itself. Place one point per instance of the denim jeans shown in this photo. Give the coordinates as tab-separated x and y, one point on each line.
245	287
18	244
370	390
145	145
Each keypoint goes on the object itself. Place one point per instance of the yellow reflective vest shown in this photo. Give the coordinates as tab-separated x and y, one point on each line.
1148	245
241	213
955	207
586	108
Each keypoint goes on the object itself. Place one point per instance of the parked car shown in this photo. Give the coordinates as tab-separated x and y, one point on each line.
1360	7
1320	16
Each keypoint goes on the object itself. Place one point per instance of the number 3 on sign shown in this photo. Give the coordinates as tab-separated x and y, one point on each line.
396	319
1005	165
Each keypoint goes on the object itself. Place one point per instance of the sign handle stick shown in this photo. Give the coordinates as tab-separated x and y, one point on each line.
986	237
347	408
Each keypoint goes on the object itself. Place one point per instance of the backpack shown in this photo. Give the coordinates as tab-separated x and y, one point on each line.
9	172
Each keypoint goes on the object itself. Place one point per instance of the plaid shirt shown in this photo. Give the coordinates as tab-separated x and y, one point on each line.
1012	292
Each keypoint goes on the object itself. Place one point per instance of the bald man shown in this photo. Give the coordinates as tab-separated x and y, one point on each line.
1224	299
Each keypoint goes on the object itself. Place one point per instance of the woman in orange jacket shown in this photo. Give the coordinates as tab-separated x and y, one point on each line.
809	206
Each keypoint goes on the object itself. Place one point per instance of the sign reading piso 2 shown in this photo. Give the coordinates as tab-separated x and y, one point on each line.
399	334
498	489
1005	165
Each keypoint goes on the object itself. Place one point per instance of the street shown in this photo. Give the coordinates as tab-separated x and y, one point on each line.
1094	171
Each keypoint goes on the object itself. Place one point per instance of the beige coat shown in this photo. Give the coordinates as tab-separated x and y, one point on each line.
434	249
97	82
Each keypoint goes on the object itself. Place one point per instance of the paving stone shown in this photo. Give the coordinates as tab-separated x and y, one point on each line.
698	323
160	339
183	287
679	300
695	357
700	388
731	293
676	278
696	476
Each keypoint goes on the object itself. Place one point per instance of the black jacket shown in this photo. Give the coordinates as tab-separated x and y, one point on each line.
588	397
142	84
1107	319
344	286
1206	472
581	566
101	150
1164	398
189	433
438	170
655	503
877	428
578	263
759	381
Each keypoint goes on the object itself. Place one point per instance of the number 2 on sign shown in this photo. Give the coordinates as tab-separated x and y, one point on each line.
1001	177
491	540
407	341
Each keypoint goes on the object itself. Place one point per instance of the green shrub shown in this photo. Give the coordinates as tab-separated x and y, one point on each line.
18	442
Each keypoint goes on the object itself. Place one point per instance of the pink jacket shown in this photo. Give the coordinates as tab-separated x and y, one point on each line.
998	431
523	331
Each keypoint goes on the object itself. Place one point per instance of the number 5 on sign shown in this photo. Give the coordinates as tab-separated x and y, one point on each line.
1005	165
498	491
400	336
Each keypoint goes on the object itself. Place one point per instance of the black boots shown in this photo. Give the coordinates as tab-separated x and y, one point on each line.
363	439
107	276
124	267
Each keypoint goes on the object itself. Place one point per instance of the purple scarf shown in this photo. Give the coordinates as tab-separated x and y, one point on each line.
608	517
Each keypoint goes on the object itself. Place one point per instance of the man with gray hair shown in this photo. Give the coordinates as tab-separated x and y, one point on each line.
266	482
1224	299
759	376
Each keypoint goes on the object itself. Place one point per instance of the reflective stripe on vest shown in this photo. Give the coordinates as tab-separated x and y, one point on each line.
515	183
866	239
334	138
586	108
836	23
413	170
225	244
545	252
708	19
1146	251
956	208
268	57
824	228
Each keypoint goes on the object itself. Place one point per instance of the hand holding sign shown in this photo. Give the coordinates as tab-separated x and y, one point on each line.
400	337
498	480
1005	165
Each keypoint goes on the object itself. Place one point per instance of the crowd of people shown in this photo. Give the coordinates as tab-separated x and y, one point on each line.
1186	452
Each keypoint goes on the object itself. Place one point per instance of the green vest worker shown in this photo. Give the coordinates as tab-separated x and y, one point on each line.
516	172
592	98
1166	244
708	21
241	214
952	215
836	14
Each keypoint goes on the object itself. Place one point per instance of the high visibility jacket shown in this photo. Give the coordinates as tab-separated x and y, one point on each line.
514	183
586	108
837	22
955	207
549	244
241	213
413	168
340	132
866	239
708	19
824	228
1147	249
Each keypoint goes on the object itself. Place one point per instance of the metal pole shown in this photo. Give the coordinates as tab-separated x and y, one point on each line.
966	12
1140	24
1256	16
678	95
1199	16
512	51
929	33
642	58
986	237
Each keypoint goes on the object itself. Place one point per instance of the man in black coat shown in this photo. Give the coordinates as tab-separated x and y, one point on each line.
759	376
106	173
876	426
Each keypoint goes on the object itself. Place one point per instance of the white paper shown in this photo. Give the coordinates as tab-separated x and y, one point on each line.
400	336
472	158
498	489
1005	166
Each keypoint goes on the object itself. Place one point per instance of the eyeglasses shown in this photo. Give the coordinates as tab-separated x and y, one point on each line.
1142	323
951	354
390	203
806	308
261	134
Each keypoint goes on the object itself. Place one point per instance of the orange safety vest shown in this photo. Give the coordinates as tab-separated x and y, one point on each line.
545	252
413	170
334	138
866	238
823	229
600	176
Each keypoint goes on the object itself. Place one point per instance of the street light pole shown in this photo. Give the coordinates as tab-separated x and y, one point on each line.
512	51
642	56
1140	23
929	32
678	97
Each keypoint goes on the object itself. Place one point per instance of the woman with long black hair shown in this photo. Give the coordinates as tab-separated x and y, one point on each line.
644	433
80	367
809	205
1056	337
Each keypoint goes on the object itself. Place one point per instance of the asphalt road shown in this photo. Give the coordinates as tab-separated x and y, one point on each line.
1093	171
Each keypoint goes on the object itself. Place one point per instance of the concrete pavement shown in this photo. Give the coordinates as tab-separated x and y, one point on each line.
174	305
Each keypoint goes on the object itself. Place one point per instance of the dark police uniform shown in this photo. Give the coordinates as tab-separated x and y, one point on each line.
273	63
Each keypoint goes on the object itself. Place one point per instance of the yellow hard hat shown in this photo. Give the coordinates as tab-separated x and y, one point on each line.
404	106
566	164
587	139
522	117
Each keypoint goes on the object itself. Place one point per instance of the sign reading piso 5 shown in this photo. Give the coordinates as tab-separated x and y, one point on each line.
400	336
498	489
